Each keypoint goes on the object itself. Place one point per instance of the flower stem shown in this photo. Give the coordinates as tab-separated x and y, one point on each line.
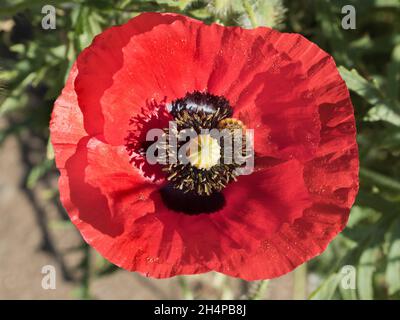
223	282
259	290
250	12
300	282
185	290
85	282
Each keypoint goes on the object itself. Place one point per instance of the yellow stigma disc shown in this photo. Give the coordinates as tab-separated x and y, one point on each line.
203	152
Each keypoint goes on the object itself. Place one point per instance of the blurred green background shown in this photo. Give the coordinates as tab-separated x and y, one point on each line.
34	64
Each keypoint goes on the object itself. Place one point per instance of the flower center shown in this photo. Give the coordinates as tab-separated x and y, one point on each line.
198	165
211	162
203	152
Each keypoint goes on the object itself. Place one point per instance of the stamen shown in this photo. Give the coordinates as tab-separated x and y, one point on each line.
231	124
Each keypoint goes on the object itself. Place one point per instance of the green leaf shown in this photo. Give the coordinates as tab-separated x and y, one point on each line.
260	13
38	172
379	179
104	267
365	273
9	10
360	85
393	266
382	112
60	225
223	8
348	294
382	108
387	3
393	75
376	202
327	289
50	150
16	99
180	4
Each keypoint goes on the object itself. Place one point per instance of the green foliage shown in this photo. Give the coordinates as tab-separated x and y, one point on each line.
393	265
369	59
327	290
263	13
35	63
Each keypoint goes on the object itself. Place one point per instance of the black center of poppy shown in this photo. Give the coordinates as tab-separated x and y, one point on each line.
208	146
208	170
191	203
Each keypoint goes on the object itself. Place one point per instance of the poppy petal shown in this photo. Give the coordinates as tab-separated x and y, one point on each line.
281	85
107	51
66	124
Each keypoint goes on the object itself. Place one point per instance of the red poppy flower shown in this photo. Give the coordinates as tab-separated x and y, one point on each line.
163	221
